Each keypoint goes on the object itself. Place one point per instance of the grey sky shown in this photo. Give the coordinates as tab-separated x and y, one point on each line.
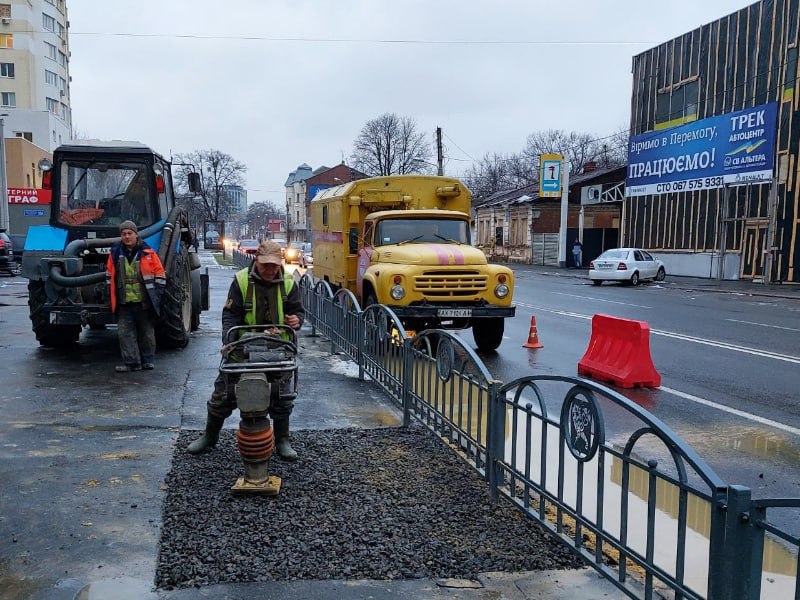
276	104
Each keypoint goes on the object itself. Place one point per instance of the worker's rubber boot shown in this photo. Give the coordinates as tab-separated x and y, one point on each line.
282	445
209	439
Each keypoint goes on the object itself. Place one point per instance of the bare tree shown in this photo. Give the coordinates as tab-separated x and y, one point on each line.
258	216
391	145
497	172
577	148
217	170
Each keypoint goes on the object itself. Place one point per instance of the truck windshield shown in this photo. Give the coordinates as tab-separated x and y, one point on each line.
397	231
103	194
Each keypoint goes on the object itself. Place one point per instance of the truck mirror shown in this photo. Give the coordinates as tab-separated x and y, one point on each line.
194	183
353	240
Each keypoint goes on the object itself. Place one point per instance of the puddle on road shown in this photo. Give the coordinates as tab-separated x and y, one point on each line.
779	561
119	588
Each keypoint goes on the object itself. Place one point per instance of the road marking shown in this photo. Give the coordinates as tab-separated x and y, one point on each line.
600	300
733	411
686	338
762	324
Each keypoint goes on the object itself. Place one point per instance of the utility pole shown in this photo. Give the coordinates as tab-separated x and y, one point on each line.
439	155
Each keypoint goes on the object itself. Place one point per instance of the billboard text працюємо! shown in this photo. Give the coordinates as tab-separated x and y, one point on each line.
736	148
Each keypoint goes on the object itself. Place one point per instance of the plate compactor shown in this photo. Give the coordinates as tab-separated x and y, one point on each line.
261	361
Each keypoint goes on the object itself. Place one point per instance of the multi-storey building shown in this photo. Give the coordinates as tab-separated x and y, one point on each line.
34	71
236	199
742	61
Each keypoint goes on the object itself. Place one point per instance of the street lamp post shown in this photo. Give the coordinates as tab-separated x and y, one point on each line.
4	220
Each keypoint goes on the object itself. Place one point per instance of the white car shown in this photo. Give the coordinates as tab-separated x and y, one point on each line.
629	265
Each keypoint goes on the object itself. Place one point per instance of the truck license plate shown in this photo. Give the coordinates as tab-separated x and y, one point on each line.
454	312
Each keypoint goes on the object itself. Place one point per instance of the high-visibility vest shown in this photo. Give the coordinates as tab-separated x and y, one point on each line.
243	279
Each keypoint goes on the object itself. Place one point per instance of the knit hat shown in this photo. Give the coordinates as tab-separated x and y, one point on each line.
269	252
128	225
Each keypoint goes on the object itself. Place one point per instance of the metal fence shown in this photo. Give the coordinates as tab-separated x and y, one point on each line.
592	466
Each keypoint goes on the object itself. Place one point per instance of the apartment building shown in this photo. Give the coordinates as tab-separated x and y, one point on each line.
34	71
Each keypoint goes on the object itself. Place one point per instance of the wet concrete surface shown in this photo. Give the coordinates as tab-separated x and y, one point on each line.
84	452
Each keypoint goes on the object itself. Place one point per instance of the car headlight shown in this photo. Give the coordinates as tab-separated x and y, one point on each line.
501	290
398	292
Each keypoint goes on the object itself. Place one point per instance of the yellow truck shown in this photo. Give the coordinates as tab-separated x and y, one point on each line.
404	241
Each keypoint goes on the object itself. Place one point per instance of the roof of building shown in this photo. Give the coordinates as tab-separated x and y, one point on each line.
530	192
301	173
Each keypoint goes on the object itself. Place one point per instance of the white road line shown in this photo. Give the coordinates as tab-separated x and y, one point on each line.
684	337
762	324
733	411
600	300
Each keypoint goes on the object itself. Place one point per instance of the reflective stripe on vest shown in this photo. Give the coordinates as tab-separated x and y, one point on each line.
243	279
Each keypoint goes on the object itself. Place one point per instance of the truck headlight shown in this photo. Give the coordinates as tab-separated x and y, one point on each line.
501	290
398	292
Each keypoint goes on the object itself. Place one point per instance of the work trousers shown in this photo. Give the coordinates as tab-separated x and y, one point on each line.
223	398
137	336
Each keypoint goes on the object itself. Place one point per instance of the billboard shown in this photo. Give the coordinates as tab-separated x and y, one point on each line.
29	196
736	148
213	235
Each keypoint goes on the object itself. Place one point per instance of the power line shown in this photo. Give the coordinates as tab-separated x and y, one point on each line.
409	41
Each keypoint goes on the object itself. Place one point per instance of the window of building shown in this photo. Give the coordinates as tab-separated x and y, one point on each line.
64	110
790	76
9	99
6	40
52	106
5	11
61	31
50	51
51	2
7	70
28	135
62	59
677	105
62	84
48	22
50	77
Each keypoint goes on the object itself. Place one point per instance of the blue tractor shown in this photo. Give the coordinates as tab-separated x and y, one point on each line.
95	187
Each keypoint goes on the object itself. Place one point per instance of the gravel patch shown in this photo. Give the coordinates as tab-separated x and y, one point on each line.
387	503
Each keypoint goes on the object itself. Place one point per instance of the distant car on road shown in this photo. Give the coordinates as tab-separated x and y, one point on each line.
248	246
293	252
282	244
306	257
627	265
8	264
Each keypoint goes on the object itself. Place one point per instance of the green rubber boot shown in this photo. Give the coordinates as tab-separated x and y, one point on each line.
282	446
209	439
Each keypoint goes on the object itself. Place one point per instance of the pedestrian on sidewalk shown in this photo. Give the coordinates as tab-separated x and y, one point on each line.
261	294
577	250
137	280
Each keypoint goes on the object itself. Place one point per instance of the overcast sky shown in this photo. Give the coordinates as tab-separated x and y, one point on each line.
182	75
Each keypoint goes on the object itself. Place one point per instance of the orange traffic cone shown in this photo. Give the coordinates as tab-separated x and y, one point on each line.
533	336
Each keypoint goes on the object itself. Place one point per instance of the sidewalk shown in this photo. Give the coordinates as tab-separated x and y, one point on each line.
698	284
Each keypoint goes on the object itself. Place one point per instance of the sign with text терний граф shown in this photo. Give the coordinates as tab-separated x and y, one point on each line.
550	175
736	148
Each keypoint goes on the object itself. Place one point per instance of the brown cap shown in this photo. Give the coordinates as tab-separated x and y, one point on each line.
269	252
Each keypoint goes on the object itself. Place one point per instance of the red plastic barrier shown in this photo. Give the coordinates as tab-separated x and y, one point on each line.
619	352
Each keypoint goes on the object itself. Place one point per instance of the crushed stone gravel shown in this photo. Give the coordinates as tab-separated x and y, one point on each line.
389	503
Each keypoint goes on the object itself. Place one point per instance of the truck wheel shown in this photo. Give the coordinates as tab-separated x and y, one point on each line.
175	321
488	333
46	334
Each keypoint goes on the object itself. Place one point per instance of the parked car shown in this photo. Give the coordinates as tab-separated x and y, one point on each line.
282	244
629	265
8	264
249	246
306	257
293	252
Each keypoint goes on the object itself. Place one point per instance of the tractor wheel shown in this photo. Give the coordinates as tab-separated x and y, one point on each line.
55	336
175	321
488	333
